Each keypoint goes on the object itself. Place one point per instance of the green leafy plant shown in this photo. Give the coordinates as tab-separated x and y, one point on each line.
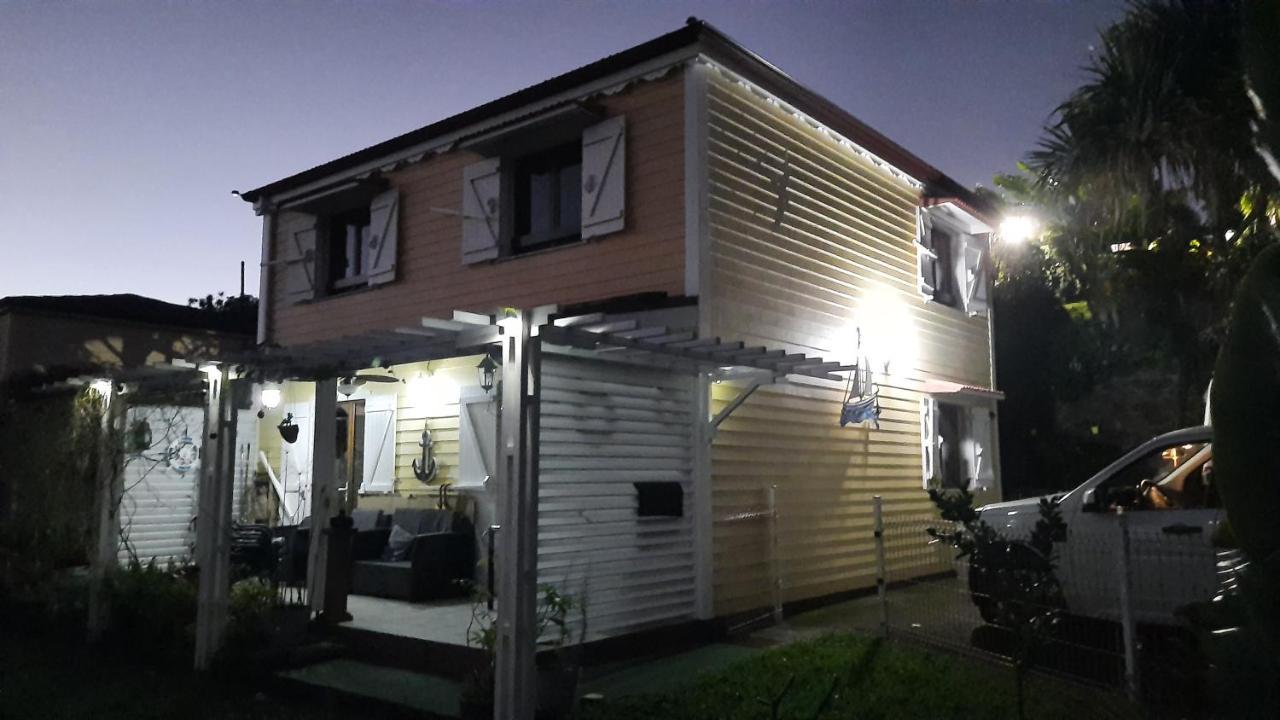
1015	579
553	631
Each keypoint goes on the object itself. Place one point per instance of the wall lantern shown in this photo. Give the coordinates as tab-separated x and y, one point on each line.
487	370
102	386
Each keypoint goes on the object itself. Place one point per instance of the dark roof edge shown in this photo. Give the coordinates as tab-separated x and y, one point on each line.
717	45
128	308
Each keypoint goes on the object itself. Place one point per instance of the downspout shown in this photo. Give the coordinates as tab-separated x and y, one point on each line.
264	271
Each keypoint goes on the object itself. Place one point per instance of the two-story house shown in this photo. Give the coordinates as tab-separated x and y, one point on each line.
735	265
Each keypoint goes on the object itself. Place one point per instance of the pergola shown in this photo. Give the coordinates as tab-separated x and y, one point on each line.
656	338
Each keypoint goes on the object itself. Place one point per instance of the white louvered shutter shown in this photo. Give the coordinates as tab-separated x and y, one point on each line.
481	210
300	263
926	258
477	436
976	278
979	448
929	448
604	177
384	236
379	444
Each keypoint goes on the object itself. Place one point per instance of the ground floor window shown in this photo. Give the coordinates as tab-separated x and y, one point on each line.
957	444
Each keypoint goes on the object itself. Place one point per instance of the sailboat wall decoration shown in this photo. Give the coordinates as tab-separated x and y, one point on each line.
862	395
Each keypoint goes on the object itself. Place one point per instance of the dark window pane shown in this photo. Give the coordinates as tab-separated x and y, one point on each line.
547	204
944	271
347	245
571	199
541	204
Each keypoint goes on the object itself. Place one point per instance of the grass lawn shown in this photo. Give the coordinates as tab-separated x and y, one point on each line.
871	679
50	677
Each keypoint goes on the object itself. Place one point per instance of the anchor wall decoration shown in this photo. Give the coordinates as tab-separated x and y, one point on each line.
425	468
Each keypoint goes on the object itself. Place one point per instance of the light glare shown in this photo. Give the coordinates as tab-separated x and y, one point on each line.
1018	228
270	397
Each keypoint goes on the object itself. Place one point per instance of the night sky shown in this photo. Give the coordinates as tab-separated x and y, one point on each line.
125	125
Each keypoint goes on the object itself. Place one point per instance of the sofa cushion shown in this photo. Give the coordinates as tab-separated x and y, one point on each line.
383	579
366	519
423	521
398	544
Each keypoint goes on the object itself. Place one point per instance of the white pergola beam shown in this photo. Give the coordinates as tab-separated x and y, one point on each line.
324	487
213	514
109	490
515	691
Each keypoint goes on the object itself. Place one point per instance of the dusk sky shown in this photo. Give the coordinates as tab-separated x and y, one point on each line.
124	126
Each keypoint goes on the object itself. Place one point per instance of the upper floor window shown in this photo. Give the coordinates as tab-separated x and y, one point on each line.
518	202
339	242
548	198
952	259
348	255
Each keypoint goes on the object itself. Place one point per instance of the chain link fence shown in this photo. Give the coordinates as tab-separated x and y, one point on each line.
1119	620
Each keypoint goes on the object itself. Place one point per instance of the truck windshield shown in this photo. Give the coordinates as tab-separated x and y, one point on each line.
1174	477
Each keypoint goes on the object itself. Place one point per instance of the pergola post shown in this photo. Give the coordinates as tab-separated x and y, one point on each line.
213	514
515	691
324	489
109	489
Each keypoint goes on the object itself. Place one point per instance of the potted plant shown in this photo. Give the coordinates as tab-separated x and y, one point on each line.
558	668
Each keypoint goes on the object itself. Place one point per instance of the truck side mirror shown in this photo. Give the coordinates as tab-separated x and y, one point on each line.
1089	501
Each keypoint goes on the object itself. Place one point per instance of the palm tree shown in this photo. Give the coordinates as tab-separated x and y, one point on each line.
1150	166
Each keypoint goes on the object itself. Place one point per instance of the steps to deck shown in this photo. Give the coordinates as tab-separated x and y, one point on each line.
360	681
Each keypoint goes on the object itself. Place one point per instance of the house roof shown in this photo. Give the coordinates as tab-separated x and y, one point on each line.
133	308
696	33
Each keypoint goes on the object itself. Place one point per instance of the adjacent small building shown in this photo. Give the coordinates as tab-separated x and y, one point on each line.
53	350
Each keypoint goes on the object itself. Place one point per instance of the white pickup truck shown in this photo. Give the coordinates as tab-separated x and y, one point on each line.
1166	489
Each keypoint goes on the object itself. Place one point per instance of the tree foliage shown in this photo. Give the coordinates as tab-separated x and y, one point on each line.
1154	203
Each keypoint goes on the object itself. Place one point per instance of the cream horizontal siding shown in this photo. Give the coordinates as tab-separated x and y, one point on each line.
604	427
808	243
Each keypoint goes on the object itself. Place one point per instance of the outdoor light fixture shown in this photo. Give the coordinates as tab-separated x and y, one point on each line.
102	386
270	396
1018	228
488	370
432	390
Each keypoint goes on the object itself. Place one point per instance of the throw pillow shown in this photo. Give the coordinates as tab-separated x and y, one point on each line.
398	544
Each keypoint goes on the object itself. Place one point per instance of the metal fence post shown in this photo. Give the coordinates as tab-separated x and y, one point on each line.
775	576
1129	630
881	587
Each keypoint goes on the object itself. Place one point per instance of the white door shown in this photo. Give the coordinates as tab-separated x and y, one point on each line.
295	466
1172	515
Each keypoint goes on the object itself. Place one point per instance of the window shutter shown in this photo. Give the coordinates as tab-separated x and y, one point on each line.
604	176
379	444
384	236
979	448
477	436
929	450
300	267
481	210
976	279
926	258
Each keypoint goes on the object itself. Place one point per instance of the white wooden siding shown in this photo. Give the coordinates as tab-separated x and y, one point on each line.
159	502
158	508
604	427
810	243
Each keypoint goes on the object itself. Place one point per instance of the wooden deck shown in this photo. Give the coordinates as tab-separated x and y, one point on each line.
442	622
